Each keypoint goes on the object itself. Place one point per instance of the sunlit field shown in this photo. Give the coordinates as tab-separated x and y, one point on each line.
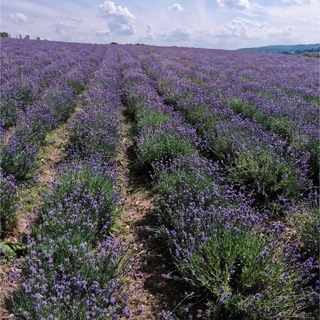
226	141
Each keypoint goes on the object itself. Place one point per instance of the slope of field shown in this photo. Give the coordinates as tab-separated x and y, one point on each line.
225	147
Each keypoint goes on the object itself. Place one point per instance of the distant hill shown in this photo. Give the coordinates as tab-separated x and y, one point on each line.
286	49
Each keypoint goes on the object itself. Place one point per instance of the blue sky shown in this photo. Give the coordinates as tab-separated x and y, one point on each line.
225	24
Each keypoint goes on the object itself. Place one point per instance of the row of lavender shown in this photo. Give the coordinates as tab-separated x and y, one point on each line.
273	167
237	263
29	71
73	266
280	94
40	102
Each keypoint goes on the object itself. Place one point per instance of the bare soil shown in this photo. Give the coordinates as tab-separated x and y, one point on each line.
150	291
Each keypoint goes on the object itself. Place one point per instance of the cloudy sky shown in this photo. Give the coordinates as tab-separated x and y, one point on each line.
225	24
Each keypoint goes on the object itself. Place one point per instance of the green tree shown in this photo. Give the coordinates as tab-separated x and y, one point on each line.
4	35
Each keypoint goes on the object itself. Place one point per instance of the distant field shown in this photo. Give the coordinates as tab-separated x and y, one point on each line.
226	141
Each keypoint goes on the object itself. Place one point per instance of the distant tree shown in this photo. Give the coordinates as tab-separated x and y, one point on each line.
4	35
20	36
27	37
37	38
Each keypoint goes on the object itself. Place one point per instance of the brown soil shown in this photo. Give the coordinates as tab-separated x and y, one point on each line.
150	292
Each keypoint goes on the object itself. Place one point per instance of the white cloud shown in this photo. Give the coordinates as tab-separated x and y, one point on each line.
180	33
119	20
71	18
310	21
287	33
234	4
103	33
176	7
254	31
148	36
18	17
240	28
227	24
299	1
63	28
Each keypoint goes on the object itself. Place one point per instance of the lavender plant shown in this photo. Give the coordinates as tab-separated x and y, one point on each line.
165	142
88	188
60	292
73	265
8	201
18	157
225	250
96	129
305	219
61	101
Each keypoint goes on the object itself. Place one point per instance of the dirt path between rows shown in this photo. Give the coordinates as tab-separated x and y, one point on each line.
151	291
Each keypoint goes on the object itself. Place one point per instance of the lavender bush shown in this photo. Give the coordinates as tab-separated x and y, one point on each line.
18	157
243	268
68	272
95	131
74	264
161	132
8	200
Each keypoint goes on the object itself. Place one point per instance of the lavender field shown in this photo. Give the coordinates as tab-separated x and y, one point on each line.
227	143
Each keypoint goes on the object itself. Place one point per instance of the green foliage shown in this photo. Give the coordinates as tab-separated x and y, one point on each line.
4	35
244	107
8	200
281	126
131	108
306	222
221	145
312	99
311	54
76	86
202	117
302	142
134	101
314	162
177	177
8	113
166	145
260	170
20	163
243	276
147	119
88	190
310	223
12	249
195	80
